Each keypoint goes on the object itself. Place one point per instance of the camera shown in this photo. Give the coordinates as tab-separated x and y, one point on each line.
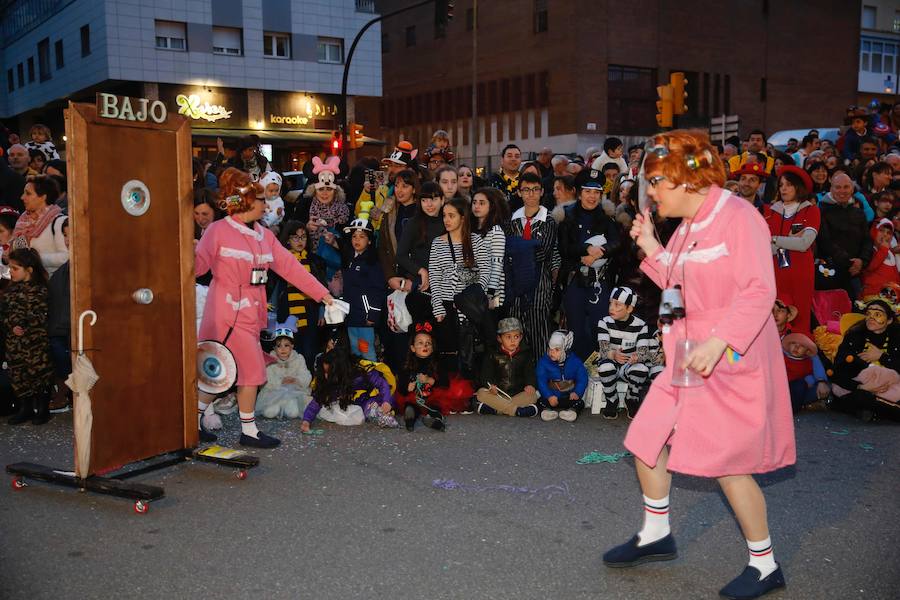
784	258
259	276
671	305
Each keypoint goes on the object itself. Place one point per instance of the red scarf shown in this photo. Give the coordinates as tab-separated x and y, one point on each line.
32	225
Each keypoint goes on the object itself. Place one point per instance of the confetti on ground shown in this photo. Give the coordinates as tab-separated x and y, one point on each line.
599	457
866	446
545	493
841	432
314	432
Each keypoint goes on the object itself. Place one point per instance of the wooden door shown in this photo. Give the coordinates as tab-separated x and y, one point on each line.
144	403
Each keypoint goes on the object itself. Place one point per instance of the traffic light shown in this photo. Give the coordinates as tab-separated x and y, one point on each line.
336	143
443	12
664	106
355	139
679	95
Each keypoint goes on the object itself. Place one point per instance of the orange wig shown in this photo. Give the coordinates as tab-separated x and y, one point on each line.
237	192
685	157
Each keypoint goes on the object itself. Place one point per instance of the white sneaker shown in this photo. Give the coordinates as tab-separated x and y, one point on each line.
549	415
568	415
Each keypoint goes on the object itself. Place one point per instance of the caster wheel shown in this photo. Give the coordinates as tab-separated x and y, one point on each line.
242	475
141	507
18	483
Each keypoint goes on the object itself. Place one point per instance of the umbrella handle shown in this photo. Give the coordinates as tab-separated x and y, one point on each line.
81	317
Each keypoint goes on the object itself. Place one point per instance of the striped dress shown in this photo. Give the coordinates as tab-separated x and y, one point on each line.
448	277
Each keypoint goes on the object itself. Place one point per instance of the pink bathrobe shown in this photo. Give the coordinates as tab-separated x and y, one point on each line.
231	249
739	421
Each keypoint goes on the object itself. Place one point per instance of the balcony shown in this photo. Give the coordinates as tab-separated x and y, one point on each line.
365	6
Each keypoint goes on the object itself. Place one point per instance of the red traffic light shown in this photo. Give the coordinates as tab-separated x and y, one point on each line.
336	142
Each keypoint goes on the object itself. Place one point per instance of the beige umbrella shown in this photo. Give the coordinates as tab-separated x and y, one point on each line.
82	378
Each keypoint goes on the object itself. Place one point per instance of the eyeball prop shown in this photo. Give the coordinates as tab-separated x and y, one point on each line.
216	367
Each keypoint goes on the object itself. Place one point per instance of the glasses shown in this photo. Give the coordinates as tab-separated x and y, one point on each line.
655	180
530	190
297	238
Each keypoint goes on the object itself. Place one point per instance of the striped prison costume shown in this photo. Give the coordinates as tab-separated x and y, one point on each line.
534	313
630	337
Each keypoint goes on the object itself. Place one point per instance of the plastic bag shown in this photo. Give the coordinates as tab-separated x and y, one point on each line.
399	317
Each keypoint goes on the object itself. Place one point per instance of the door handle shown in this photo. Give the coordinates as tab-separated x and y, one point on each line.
143	296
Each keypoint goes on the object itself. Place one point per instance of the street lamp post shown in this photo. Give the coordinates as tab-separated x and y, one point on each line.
343	132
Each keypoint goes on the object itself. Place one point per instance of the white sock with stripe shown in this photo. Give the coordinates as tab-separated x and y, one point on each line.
201	409
248	424
656	521
762	556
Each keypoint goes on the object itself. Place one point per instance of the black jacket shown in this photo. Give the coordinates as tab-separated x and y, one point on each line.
571	234
854	343
509	373
843	235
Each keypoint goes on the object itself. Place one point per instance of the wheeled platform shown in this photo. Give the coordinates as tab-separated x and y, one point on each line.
116	484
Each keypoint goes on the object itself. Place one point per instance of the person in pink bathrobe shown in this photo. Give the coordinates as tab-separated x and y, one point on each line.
738	421
235	313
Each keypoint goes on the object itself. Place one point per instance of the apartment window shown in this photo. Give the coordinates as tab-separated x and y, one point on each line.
30	69
44	59
60	58
869	17
20	71
878	57
631	99
85	40
410	36
10	80
277	45
896	25
385	43
330	50
540	16
170	35
227	40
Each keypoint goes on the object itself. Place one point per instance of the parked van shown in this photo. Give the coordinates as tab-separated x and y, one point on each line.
779	139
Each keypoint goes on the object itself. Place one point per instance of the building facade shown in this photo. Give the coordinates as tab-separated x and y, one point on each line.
567	73
879	51
234	67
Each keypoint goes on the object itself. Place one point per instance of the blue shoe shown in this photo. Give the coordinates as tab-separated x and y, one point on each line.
261	441
748	585
207	437
630	554
528	411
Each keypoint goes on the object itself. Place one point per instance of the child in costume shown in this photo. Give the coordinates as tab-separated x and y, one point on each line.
286	392
423	389
23	317
340	382
624	351
508	379
42	140
561	379
807	379
364	287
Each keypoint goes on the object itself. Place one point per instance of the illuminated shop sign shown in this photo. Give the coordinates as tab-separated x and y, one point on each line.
191	106
300	111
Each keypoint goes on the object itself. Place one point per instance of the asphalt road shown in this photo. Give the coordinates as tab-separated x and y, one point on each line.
495	507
